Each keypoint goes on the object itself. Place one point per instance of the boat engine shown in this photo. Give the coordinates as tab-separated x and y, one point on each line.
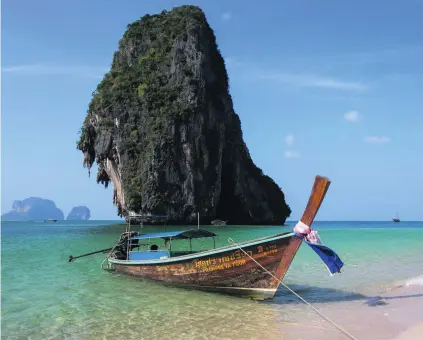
121	250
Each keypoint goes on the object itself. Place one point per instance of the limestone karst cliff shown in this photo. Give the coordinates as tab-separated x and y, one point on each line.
162	128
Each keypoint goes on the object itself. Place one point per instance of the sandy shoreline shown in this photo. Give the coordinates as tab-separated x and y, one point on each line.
394	315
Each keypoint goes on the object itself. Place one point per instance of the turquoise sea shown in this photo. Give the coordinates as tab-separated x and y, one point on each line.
46	297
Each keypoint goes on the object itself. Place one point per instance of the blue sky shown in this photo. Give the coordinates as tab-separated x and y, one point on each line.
321	87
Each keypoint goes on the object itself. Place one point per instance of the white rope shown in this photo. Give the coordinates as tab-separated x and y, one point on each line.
307	303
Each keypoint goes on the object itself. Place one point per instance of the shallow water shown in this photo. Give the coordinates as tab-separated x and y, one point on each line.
45	297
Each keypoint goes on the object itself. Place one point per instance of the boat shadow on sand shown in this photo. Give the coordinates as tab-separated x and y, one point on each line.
315	295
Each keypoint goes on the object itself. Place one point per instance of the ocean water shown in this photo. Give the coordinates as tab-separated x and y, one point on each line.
46	297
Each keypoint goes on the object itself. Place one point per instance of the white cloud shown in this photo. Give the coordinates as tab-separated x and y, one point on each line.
351	116
376	140
226	16
289	140
55	70
337	84
302	80
291	154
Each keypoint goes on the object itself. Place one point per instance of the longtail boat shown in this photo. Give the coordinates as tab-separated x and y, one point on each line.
254	268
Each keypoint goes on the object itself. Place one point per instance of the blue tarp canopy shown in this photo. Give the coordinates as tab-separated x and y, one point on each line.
178	235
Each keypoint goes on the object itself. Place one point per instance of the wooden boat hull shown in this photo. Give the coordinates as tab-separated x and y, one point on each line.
227	269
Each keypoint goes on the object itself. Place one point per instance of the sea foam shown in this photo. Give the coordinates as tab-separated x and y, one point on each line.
415	281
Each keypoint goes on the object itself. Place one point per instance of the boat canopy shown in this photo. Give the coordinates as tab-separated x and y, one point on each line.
178	235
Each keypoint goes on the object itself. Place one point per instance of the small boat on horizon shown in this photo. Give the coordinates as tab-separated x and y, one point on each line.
50	220
254	268
396	219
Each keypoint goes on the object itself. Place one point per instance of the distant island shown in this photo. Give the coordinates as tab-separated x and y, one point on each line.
162	128
80	213
40	209
33	208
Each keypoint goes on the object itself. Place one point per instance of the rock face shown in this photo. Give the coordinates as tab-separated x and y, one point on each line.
33	208
162	128
81	213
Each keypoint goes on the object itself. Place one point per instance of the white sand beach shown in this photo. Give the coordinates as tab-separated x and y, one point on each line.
394	315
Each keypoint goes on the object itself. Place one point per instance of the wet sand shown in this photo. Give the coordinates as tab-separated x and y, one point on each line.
394	315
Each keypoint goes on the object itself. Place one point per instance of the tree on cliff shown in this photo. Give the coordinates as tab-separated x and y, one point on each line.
162	128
